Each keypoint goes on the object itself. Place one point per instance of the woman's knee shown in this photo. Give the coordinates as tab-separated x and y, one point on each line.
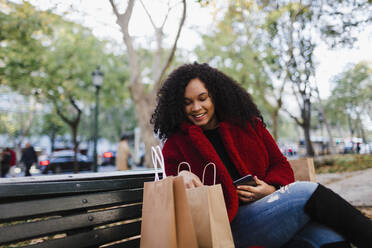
303	188
293	195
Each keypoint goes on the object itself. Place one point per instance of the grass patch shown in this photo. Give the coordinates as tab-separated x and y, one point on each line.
342	163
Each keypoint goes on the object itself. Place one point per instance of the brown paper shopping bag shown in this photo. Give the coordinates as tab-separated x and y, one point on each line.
303	169
166	217
209	215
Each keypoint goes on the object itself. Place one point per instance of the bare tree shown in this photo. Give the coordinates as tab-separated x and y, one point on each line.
73	123
325	120
143	99
300	70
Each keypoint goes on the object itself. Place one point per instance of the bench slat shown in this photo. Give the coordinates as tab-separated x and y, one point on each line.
133	243
8	191
94	238
25	231
36	208
96	176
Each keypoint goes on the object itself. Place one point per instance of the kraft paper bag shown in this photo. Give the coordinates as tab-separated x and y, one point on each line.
303	169
209	215
186	234
158	228
166	217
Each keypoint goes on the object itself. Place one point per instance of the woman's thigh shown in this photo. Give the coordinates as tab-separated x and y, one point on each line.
274	219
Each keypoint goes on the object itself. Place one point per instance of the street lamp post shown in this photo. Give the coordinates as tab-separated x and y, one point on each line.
97	77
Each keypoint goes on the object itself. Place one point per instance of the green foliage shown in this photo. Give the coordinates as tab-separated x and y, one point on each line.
239	48
351	96
16	124
353	87
342	20
267	45
117	119
43	53
23	31
52	125
342	163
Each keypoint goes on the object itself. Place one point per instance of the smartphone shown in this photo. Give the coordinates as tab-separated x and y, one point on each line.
246	180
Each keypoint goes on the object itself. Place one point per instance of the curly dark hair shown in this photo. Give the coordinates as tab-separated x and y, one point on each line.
232	102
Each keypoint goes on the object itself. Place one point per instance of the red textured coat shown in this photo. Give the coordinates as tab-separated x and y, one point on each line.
251	151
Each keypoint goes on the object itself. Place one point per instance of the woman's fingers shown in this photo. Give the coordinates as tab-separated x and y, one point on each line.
258	181
197	182
189	186
247	188
245	194
190	179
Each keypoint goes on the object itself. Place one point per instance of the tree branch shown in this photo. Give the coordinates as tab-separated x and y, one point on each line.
116	12
173	50
123	22
73	102
148	14
166	17
296	96
63	117
293	117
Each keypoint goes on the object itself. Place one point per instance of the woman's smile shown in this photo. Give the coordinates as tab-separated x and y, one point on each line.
199	117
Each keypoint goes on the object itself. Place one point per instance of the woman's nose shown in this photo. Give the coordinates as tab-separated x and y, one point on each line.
196	107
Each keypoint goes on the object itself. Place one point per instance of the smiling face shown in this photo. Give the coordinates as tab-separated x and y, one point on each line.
199	107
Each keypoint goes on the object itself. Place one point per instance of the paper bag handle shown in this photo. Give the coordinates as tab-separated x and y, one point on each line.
157	156
205	167
179	166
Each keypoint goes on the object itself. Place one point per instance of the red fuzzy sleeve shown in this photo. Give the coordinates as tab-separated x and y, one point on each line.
172	157
279	171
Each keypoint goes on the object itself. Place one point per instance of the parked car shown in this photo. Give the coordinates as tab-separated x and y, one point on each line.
63	161
108	158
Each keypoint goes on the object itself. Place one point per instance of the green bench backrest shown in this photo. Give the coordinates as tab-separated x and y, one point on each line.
73	211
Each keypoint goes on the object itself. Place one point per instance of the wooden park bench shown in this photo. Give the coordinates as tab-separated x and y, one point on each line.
82	210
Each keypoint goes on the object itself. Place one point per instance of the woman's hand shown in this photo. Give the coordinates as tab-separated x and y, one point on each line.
190	179
249	194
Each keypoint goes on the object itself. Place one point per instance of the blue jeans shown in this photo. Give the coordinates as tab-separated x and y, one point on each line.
278	218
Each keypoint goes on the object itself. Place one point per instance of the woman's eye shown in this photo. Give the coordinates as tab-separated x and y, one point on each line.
187	103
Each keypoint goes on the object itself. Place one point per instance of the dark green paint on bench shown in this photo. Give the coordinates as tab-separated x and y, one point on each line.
63	224
101	210
55	188
94	238
37	208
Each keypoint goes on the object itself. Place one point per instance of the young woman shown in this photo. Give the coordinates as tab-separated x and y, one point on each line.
205	116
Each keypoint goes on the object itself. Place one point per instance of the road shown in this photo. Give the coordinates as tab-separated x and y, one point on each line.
36	172
355	187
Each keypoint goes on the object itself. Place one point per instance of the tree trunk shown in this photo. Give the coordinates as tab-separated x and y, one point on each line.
144	108
308	144
325	119
52	138
275	120
145	101
74	125
332	149
306	117
362	133
350	124
74	130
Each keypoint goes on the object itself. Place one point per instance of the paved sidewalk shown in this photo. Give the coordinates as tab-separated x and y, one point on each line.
355	187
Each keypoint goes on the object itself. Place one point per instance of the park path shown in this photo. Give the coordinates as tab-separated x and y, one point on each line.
355	187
